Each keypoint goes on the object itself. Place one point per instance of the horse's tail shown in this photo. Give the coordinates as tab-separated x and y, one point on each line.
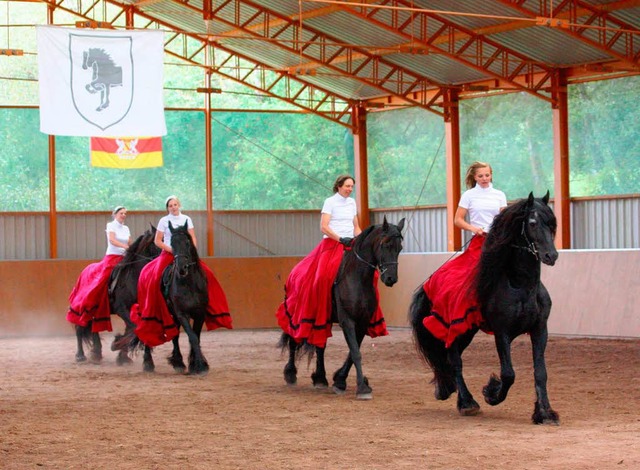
286	341
431	349
128	342
85	334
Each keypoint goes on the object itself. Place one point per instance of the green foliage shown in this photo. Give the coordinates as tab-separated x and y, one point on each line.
275	160
603	131
513	133
82	187
406	158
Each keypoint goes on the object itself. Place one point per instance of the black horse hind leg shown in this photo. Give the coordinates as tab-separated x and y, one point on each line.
542	414
81	336
84	336
466	404
354	340
432	349
319	376
496	390
123	352
175	359
290	370
147	360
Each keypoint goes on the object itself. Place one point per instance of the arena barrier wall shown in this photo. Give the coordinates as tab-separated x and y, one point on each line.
594	293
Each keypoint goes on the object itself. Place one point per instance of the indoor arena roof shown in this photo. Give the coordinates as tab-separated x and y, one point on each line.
392	51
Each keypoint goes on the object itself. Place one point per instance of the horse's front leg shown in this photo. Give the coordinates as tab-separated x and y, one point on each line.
175	359
363	390
497	388
340	376
542	413
197	363
319	376
467	406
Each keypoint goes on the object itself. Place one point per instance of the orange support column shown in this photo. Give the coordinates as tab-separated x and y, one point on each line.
208	157
561	199
360	161
53	214
452	135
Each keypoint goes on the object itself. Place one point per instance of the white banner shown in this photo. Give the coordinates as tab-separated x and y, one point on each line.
100	83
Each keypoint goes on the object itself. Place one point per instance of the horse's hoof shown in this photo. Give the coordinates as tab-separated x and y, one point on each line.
548	417
290	377
123	360
472	411
199	373
81	358
180	370
149	368
96	359
339	391
364	396
319	382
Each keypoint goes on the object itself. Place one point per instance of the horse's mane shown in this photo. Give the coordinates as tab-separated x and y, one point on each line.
504	233
364	234
101	55
139	246
133	249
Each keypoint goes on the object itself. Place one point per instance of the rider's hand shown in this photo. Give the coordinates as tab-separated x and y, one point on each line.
346	241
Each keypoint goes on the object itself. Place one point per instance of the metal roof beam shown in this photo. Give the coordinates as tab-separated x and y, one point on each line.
316	47
582	18
452	41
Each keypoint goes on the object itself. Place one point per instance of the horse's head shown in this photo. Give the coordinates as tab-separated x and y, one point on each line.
539	229
183	249
386	248
149	249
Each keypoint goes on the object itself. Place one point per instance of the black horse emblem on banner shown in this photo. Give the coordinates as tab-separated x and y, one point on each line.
106	74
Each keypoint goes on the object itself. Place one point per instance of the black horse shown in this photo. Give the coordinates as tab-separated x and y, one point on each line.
105	74
513	302
184	287
354	302
123	292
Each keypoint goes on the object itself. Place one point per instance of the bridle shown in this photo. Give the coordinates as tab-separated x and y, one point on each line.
531	246
381	267
186	265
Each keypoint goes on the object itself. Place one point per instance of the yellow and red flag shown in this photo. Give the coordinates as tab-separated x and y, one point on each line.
126	152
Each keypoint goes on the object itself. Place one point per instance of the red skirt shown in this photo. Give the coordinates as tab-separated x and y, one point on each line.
451	291
305	314
154	323
89	300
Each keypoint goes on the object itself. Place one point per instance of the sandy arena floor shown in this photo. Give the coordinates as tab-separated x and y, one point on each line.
55	413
